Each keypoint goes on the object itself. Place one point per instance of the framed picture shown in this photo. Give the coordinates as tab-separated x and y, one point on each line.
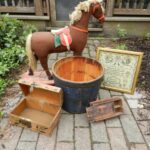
121	69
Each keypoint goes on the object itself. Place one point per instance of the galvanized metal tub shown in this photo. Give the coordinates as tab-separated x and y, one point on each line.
80	79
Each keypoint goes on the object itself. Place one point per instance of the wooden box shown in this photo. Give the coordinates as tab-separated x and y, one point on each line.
104	109
40	109
38	77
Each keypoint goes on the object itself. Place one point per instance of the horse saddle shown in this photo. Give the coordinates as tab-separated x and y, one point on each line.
62	37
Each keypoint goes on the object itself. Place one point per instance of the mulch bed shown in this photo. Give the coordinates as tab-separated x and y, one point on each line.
141	45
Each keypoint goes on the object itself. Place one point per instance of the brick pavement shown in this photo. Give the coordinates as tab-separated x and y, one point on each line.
74	132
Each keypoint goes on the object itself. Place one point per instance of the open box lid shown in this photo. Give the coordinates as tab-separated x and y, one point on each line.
37	91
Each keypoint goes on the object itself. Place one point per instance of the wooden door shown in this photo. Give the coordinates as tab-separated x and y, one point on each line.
60	10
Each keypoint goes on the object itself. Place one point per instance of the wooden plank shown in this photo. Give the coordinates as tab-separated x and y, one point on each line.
53	14
135	4
13	9
38	7
20	3
48	7
5	2
30	17
148	7
110	8
28	3
13	3
131	11
103	109
128	19
142	4
120	4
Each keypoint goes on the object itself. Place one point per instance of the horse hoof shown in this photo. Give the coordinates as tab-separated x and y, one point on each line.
30	74
50	78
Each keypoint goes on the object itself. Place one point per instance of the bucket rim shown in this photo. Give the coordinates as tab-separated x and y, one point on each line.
77	82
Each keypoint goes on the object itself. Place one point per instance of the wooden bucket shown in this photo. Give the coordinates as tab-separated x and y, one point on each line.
80	78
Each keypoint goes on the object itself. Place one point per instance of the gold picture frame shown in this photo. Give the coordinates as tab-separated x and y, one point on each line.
121	68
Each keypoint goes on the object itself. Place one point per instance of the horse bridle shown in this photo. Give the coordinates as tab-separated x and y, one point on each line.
94	9
86	30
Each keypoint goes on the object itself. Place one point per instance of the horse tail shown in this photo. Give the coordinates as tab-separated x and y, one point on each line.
31	57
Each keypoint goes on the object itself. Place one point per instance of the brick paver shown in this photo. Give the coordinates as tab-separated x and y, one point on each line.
131	129
99	133
139	147
126	108
104	93
74	132
114	122
46	142
26	145
82	139
101	146
117	139
81	120
133	103
11	142
65	128
28	135
65	146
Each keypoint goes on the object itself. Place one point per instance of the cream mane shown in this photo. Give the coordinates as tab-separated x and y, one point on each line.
82	6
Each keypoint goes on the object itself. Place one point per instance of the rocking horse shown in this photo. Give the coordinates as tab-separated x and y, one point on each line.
72	38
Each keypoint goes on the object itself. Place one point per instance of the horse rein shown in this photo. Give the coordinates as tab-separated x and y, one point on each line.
94	9
79	29
86	30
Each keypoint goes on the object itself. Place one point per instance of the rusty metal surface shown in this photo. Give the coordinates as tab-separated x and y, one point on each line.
104	109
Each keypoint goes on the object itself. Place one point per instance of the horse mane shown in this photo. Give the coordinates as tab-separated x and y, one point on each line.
82	6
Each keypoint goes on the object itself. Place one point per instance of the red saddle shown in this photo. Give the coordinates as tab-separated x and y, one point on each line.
64	34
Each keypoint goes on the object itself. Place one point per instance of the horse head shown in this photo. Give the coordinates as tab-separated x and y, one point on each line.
97	11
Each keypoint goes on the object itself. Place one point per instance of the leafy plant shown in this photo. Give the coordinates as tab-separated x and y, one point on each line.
121	32
3	85
12	52
13	31
122	47
147	36
1	114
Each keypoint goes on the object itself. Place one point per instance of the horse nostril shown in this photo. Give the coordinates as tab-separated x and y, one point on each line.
102	20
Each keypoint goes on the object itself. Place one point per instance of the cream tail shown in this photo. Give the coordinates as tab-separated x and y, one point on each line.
31	58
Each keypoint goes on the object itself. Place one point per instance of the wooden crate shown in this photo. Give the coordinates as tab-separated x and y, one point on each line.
104	109
40	109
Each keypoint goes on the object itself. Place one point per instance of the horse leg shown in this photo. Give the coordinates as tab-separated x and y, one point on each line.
30	72
44	64
77	53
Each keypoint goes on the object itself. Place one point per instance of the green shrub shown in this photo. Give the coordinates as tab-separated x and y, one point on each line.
13	31
147	36
10	31
3	85
10	58
1	114
122	47
121	32
12	42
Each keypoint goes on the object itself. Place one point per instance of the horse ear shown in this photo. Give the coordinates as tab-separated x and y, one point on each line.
100	1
